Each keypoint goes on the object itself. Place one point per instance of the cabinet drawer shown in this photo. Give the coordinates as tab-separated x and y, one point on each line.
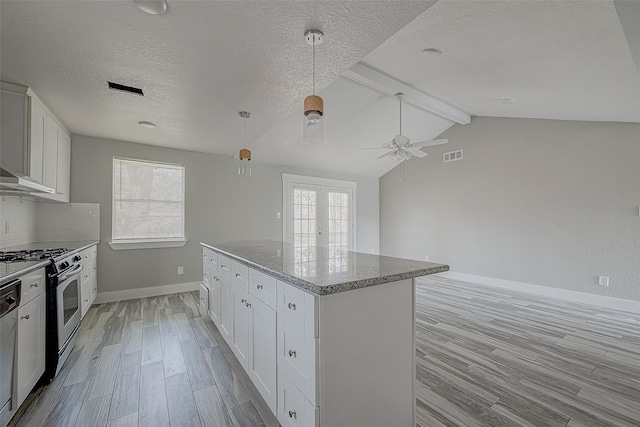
240	274
263	287
210	258
299	307
297	355
94	251
86	256
293	409
32	286
85	274
224	266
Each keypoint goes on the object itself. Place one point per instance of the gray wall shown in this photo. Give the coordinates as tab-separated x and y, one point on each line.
220	206
551	203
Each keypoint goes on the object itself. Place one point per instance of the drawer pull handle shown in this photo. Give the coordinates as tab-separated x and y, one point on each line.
259	286
222	265
35	285
291	306
217	280
237	274
26	317
244	301
292	353
292	414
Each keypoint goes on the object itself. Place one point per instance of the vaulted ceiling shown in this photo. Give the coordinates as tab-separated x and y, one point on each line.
203	61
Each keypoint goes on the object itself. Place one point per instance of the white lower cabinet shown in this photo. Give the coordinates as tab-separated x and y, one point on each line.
225	309
293	409
240	324
88	278
30	355
215	293
262	350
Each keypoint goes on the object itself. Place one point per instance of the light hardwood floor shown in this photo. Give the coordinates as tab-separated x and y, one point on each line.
491	357
148	362
485	357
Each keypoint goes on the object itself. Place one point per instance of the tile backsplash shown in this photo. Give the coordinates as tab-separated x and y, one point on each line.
57	222
17	221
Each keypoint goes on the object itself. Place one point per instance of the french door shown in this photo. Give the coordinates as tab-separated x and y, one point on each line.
319	213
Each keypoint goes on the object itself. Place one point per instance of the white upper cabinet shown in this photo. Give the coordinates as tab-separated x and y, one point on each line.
34	143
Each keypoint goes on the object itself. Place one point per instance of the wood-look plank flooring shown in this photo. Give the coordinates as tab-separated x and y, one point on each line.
485	357
148	362
493	357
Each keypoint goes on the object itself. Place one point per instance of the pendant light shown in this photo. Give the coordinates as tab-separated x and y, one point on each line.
313	104
244	169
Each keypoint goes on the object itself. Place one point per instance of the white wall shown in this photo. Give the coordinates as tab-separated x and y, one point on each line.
220	206
20	214
551	203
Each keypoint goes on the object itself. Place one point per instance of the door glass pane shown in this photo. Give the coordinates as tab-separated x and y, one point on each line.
70	300
305	237
338	232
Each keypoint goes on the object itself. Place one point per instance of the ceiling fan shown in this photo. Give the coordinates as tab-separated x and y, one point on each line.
401	148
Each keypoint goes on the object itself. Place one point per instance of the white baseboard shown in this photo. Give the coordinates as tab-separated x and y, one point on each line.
562	294
152	291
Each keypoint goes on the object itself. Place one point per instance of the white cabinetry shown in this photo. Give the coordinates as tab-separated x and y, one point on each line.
88	278
240	324
34	143
262	350
30	354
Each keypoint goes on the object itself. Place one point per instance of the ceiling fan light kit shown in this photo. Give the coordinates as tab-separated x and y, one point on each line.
313	127
244	169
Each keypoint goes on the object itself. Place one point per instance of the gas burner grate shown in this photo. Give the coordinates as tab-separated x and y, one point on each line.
31	254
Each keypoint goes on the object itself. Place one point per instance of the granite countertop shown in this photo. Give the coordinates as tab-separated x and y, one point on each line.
323	271
11	270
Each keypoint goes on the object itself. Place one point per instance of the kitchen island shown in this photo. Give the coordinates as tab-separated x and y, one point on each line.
327	336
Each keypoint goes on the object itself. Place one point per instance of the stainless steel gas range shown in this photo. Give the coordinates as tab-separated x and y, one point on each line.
63	300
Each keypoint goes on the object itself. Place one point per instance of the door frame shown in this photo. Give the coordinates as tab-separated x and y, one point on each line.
289	181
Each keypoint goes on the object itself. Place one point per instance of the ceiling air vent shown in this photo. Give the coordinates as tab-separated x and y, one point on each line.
123	88
452	156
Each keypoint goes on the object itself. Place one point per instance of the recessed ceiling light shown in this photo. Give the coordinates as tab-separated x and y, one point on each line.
507	101
432	51
147	125
154	7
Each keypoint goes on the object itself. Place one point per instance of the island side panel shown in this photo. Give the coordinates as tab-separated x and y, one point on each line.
367	356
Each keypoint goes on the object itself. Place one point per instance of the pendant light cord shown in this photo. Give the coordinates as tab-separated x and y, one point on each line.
400	115
245	132
314	64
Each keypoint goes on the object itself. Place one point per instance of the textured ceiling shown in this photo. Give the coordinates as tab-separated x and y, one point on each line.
198	64
558	59
203	61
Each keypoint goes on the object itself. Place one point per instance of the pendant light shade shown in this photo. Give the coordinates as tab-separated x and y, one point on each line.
244	168
312	131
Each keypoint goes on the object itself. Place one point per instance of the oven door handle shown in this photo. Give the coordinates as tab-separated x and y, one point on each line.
68	274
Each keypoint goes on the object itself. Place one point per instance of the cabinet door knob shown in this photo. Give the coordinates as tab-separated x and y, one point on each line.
217	280
259	286
292	414
35	285
237	274
292	353
244	301
291	306
248	304
26	317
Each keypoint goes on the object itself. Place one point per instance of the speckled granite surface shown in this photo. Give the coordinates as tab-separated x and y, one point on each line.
13	270
323	272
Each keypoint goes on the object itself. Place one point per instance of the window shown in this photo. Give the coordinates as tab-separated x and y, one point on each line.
319	213
148	204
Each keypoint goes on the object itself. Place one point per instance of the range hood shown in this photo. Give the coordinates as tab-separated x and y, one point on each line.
13	183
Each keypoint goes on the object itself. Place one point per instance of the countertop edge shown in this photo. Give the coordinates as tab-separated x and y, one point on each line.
331	289
25	270
73	251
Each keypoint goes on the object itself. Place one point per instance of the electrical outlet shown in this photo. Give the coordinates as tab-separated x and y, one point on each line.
279	252
278	215
603	281
180	270
426	257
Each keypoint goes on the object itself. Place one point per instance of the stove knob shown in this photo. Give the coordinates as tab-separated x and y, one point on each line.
77	258
64	265
10	300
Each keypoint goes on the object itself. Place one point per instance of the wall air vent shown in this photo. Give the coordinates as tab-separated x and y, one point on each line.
123	88
452	156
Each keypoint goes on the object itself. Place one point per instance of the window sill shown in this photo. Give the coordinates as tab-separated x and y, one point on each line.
146	244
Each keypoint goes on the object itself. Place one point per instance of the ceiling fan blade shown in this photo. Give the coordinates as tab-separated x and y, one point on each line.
429	143
416	152
384	155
